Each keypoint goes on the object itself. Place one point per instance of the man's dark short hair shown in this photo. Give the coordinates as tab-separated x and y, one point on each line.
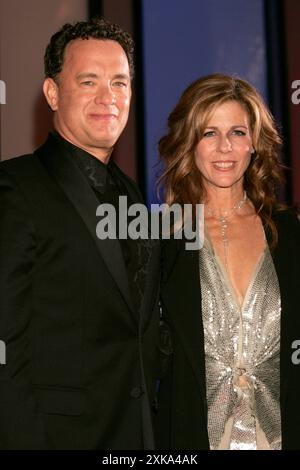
96	28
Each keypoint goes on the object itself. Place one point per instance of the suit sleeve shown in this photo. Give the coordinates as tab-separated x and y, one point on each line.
21	426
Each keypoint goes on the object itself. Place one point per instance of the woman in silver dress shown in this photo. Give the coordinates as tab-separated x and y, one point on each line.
233	307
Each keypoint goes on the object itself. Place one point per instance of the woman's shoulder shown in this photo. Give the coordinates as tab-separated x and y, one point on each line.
287	216
287	222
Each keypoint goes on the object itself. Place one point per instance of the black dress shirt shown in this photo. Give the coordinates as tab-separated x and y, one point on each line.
107	187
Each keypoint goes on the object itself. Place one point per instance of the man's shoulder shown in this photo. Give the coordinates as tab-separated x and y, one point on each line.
18	162
30	159
27	165
23	170
26	172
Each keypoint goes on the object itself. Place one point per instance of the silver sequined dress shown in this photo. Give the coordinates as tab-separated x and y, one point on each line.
241	356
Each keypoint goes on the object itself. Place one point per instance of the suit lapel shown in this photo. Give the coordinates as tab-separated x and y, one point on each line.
182	298
151	284
152	266
59	164
282	256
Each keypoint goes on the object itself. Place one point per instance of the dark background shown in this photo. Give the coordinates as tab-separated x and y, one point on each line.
177	41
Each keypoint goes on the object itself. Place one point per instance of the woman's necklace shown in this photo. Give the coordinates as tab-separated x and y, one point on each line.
222	219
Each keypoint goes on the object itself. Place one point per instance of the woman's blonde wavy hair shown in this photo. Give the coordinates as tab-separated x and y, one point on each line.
182	181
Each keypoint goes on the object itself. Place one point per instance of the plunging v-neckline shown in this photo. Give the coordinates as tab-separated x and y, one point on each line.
226	277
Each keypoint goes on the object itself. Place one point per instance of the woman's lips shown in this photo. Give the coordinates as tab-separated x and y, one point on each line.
224	165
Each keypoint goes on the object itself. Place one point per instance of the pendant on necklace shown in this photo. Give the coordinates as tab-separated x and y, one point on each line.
224	225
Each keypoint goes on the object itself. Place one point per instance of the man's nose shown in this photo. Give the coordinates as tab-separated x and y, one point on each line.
224	144
105	95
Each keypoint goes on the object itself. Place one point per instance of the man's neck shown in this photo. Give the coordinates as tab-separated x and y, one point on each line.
100	153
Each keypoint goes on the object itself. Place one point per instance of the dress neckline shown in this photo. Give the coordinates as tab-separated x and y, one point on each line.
225	276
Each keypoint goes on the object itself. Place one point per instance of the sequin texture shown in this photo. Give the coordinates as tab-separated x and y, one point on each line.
242	356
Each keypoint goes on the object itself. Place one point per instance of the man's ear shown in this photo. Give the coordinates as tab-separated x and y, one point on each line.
50	90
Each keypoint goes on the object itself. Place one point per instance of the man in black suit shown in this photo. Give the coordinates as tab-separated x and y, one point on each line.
78	315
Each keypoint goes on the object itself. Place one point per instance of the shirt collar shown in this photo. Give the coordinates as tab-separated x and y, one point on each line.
93	168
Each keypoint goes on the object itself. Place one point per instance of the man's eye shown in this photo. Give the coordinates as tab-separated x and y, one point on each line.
120	84
87	83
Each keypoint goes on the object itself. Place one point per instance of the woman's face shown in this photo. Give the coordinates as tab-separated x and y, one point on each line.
223	153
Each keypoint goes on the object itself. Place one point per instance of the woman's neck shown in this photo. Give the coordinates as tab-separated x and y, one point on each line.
223	200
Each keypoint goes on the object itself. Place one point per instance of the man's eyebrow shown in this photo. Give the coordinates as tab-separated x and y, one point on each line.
86	75
120	76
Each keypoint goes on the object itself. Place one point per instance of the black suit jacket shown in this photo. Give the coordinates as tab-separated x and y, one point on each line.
81	363
182	409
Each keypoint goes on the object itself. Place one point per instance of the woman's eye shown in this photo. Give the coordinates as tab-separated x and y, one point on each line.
238	132
209	134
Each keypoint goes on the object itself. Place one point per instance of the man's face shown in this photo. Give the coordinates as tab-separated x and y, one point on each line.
91	98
